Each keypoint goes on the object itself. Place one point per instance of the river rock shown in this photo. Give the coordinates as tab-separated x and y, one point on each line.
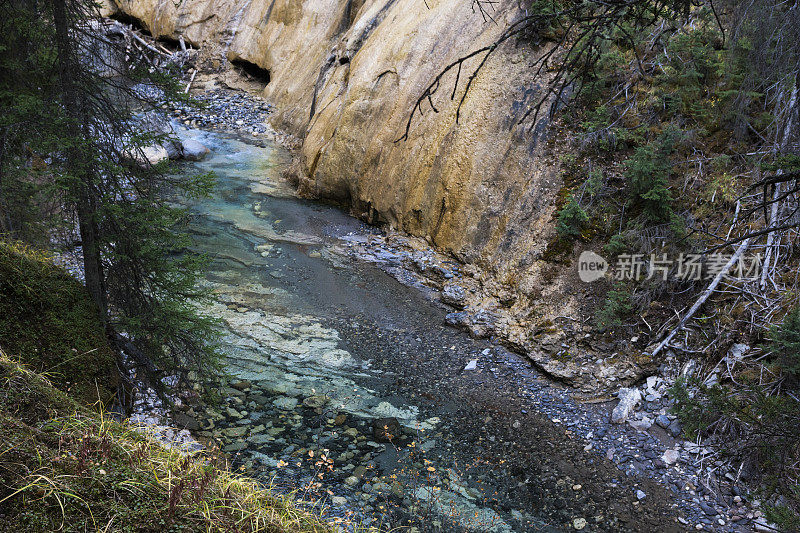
642	424
316	401
663	421
234	432
454	295
385	429
242	385
235	446
285	403
153	155
185	421
193	150
670	457
628	398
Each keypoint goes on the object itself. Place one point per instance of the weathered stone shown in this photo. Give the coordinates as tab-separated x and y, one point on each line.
238	431
642	424
316	401
183	420
454	295
235	446
241	385
670	457
285	403
628	398
152	155
663	421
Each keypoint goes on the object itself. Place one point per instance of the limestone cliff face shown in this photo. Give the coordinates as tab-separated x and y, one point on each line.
345	75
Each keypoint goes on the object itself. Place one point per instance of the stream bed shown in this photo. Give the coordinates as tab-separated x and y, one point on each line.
348	387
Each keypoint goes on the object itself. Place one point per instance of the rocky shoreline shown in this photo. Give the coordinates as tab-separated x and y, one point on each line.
644	446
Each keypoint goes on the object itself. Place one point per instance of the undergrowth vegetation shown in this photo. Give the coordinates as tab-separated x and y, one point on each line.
65	468
41	308
693	126
65	465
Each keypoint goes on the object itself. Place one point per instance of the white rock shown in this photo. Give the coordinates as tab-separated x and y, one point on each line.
671	456
640	495
154	155
472	365
579	523
737	351
628	398
641	425
194	150
762	524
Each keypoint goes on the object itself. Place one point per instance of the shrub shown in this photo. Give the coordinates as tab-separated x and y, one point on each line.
618	305
647	173
784	343
571	219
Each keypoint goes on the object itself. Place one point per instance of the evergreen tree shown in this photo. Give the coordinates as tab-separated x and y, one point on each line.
67	134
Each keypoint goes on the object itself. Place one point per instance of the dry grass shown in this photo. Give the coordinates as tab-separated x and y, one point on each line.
66	468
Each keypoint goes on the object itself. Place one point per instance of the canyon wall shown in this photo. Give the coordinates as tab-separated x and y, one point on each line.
344	76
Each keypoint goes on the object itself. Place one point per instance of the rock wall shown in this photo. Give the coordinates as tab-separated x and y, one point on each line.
345	75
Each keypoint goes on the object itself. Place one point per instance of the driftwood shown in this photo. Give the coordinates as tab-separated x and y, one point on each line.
703	297
191	80
145	43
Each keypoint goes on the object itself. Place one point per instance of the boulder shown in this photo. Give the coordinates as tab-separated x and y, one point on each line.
628	398
152	155
194	150
174	149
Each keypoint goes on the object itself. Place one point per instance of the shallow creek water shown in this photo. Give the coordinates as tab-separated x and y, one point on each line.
328	351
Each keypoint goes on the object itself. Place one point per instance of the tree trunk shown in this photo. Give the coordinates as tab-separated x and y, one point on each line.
79	162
